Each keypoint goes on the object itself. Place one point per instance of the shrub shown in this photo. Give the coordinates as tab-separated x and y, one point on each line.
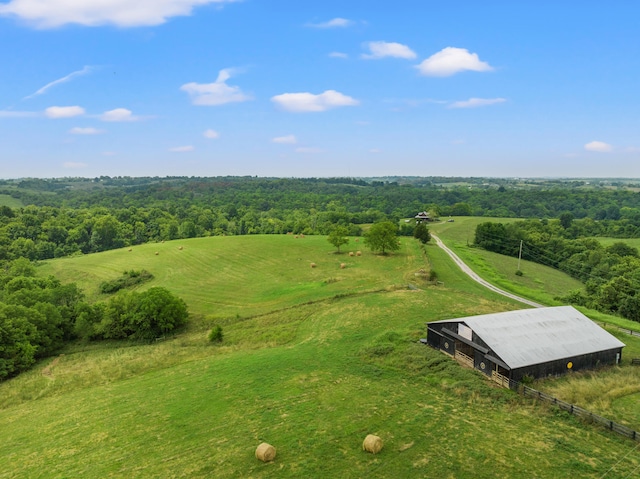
216	335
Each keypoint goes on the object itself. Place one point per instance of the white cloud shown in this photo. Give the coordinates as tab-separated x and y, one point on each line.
72	164
64	111
309	149
119	114
285	140
122	13
303	102
338	55
599	146
85	131
211	134
69	77
450	61
216	93
476	102
388	49
182	149
333	23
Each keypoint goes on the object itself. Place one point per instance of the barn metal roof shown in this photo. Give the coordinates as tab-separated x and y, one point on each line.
533	336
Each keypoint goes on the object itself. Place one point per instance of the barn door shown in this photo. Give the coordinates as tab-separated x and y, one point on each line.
448	345
481	363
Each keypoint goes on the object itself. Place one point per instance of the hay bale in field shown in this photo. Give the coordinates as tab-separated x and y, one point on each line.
351	253
358	253
313	265
181	248
130	249
296	236
372	444
157	253
265	452
343	265
357	240
301	235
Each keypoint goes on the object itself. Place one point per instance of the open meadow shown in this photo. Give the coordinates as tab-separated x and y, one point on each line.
313	360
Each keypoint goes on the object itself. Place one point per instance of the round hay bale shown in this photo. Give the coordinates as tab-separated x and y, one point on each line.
343	265
313	265
372	444
301	236
157	253
357	240
358	253
265	452
296	236
130	249
181	248
351	253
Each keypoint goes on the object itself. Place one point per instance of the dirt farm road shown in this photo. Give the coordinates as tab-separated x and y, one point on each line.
478	279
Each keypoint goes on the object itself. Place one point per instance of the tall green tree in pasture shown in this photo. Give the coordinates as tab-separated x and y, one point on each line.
338	236
421	233
382	237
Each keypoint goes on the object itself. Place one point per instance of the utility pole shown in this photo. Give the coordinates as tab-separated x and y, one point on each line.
520	255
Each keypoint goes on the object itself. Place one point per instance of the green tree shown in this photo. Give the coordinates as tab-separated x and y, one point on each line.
421	232
338	236
382	237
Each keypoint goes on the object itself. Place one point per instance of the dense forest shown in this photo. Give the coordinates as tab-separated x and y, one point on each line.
73	216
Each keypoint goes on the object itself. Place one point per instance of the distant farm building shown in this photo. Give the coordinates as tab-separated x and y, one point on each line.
531	342
423	216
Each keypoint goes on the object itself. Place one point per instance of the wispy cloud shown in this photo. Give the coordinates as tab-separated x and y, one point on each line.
599	146
476	102
388	49
309	150
344	56
93	13
182	149
216	93
119	115
69	77
308	102
63	111
285	140
17	114
85	131
333	23
450	61
74	165
211	134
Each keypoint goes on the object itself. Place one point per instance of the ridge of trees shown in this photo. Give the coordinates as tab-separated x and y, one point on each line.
611	274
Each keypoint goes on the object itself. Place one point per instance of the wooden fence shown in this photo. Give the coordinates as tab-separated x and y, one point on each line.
571	408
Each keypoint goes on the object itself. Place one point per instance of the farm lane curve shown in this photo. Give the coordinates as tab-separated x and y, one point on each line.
466	269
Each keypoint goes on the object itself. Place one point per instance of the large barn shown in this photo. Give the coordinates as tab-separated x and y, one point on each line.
533	342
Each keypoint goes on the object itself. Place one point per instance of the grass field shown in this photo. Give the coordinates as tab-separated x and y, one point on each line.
313	360
11	202
538	282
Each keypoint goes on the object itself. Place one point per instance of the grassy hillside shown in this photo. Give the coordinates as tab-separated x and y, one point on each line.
306	365
11	202
538	282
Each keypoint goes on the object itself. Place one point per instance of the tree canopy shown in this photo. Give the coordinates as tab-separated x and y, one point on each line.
382	237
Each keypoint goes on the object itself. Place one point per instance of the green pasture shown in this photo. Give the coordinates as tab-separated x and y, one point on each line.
539	283
635	242
313	360
10	201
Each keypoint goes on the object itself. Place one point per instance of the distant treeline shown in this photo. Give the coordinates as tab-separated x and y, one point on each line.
66	217
611	274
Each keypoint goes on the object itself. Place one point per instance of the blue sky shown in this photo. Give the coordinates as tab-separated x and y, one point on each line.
319	88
